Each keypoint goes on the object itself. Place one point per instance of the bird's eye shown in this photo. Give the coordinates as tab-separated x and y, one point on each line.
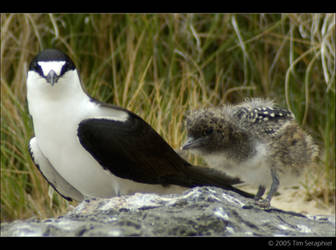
64	68
208	131
36	67
67	66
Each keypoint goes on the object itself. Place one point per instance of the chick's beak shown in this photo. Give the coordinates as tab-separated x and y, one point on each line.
192	143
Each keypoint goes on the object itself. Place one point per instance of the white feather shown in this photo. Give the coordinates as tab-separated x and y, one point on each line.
57	111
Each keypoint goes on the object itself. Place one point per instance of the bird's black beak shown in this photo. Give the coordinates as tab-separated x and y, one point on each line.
52	77
193	143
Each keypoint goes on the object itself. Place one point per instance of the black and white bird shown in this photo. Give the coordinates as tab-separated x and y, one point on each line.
86	148
255	141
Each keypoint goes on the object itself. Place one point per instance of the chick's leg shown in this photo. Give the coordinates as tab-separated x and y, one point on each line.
266	203
260	193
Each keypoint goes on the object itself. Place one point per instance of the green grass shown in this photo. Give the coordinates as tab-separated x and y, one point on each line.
159	66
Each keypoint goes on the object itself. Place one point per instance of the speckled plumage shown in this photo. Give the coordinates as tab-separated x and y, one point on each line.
254	140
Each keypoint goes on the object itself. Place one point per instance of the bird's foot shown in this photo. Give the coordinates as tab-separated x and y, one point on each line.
263	204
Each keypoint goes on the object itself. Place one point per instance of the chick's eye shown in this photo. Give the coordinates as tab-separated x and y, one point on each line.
208	131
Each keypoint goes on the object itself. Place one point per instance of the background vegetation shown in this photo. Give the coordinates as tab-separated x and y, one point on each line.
159	66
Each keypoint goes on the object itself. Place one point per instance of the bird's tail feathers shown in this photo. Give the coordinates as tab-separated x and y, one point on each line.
205	176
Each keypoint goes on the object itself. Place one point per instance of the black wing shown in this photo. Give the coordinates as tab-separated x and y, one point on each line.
134	150
130	149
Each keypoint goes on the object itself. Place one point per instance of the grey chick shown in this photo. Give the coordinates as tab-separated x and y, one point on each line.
254	140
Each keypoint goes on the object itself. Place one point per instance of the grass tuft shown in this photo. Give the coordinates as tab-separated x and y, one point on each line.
159	66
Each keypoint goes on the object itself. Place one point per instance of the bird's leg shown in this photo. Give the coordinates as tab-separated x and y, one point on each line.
266	203
274	186
257	198
260	193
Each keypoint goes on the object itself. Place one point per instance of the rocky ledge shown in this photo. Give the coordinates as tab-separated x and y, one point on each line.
201	211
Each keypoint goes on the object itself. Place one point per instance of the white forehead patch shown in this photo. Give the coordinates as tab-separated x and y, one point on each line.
51	65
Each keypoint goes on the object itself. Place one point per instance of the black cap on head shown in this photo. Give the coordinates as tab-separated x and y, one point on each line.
52	55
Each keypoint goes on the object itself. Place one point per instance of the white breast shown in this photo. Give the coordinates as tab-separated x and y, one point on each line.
56	111
254	171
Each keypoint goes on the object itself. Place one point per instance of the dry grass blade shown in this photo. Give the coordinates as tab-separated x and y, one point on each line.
161	65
